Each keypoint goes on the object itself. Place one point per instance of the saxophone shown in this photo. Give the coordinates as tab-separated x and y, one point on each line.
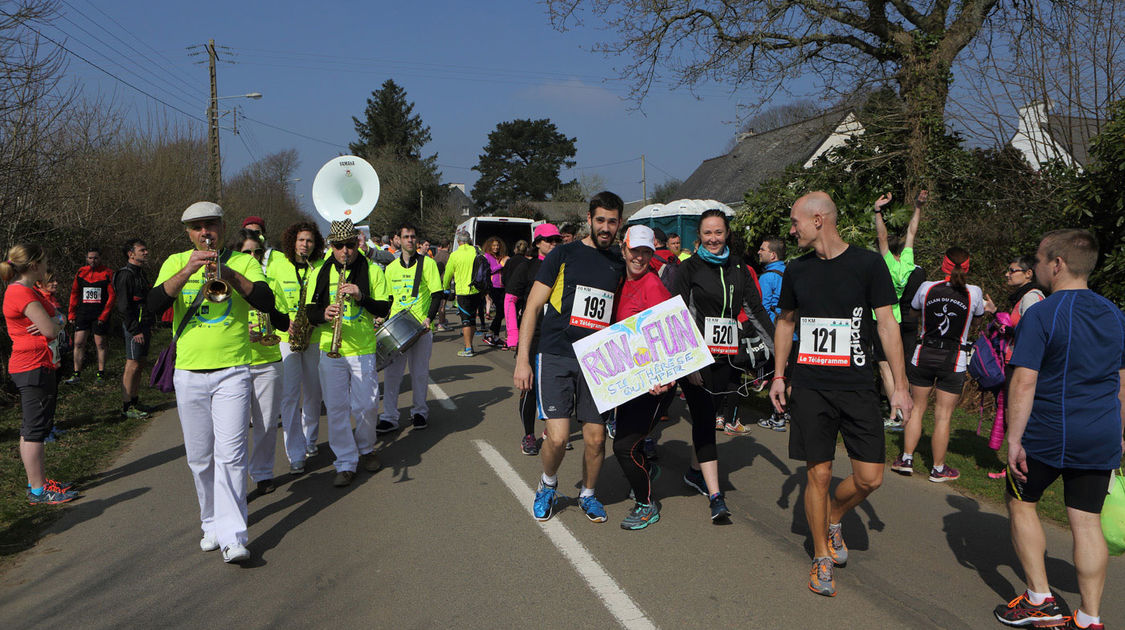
338	321
299	337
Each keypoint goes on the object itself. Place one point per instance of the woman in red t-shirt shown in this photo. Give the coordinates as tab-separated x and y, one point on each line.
30	320
635	419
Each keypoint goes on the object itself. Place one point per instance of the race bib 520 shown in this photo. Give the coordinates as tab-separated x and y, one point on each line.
825	341
721	334
592	308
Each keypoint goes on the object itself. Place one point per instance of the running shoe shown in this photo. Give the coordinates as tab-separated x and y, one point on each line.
266	486
593	508
836	547
641	516
133	413
530	445
694	478
383	427
903	466
492	341
311	450
343	478
73	380
235	553
297	468
720	423
1069	623
465	352
1021	612
209	542
611	429
775	421
719	509
948	473
1002	473
545	499
737	429
648	447
50	497
57	486
821	580
419	422
99	378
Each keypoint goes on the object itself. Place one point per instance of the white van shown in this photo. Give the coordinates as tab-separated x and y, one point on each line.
508	229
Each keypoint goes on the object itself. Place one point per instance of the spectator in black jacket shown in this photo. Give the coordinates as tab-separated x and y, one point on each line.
131	285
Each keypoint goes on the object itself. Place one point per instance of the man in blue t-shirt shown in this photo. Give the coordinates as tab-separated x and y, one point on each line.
1064	419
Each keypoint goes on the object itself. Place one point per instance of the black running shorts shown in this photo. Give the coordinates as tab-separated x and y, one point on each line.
821	415
38	393
562	391
467	306
1083	489
99	327
943	378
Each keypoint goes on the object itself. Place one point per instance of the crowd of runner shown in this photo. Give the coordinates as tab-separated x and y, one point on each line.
849	342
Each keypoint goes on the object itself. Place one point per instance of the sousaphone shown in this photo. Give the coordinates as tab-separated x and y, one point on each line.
346	187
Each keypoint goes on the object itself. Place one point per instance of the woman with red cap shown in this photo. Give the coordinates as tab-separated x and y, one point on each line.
941	358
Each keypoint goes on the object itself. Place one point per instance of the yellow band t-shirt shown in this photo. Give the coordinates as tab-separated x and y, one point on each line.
216	336
358	330
260	354
400	285
291	279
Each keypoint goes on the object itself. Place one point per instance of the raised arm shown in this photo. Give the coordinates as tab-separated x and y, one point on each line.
880	226
912	229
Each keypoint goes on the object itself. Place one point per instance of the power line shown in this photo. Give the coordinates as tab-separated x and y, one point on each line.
171	64
295	133
661	170
253	158
170	71
583	168
103	70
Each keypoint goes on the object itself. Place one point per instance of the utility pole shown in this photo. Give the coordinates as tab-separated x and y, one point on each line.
213	128
644	183
421	206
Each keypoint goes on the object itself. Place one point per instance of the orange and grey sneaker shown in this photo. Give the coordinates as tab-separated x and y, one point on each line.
1021	612
837	550
1069	623
821	580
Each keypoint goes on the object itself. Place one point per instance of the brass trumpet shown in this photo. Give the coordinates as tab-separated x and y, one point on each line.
214	288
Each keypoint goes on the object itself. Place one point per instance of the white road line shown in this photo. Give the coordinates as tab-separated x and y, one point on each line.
613	597
442	397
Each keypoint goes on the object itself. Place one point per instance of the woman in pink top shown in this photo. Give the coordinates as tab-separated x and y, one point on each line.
30	320
496	253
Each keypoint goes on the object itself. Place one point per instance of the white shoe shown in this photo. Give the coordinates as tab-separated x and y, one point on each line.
236	553
209	542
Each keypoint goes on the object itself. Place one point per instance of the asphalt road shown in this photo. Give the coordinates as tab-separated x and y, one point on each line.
438	538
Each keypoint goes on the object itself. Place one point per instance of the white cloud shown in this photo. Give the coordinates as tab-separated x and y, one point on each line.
574	94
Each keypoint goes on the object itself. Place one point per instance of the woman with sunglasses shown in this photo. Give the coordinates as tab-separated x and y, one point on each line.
265	372
1025	291
716	287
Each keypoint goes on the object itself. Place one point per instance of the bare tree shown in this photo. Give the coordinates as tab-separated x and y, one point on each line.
773	117
763	44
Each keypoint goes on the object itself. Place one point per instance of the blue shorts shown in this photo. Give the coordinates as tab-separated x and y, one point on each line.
562	390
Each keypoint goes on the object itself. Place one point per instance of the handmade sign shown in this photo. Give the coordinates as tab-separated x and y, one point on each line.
653	347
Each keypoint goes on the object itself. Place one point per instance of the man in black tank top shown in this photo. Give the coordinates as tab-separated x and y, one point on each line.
827	297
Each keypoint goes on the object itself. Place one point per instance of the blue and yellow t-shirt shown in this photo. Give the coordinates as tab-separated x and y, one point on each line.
291	278
261	354
216	336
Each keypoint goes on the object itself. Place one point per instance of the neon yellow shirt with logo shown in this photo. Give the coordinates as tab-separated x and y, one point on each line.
291	278
460	269
358	336
400	285
260	354
215	337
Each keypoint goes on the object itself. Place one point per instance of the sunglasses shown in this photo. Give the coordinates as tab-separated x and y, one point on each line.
349	244
1016	270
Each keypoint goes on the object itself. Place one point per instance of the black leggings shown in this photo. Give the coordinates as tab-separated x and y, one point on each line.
701	405
497	296
528	407
635	419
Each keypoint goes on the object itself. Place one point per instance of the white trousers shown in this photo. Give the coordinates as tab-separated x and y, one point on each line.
214	410
300	400
266	380
419	357
351	390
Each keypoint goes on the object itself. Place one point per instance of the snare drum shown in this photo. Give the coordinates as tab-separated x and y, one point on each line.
396	336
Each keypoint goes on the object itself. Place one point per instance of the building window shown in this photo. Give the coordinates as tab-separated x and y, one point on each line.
465	211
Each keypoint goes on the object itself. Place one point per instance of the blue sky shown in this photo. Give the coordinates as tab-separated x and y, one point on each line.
466	65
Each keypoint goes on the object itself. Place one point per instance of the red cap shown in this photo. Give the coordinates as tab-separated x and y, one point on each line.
259	220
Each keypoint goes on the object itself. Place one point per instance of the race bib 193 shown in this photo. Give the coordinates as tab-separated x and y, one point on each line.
721	334
91	295
825	341
592	308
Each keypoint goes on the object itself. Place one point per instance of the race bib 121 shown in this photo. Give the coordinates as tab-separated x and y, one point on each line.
825	341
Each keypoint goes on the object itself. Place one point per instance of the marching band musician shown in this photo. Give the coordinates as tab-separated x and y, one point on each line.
414	284
348	381
303	247
265	373
212	375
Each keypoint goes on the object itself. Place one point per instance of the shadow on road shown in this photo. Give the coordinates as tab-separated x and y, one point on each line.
855	533
137	466
83	510
973	537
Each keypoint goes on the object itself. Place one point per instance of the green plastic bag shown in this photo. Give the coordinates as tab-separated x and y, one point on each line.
1113	515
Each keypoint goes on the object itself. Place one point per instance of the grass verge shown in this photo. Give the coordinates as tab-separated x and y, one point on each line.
94	431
